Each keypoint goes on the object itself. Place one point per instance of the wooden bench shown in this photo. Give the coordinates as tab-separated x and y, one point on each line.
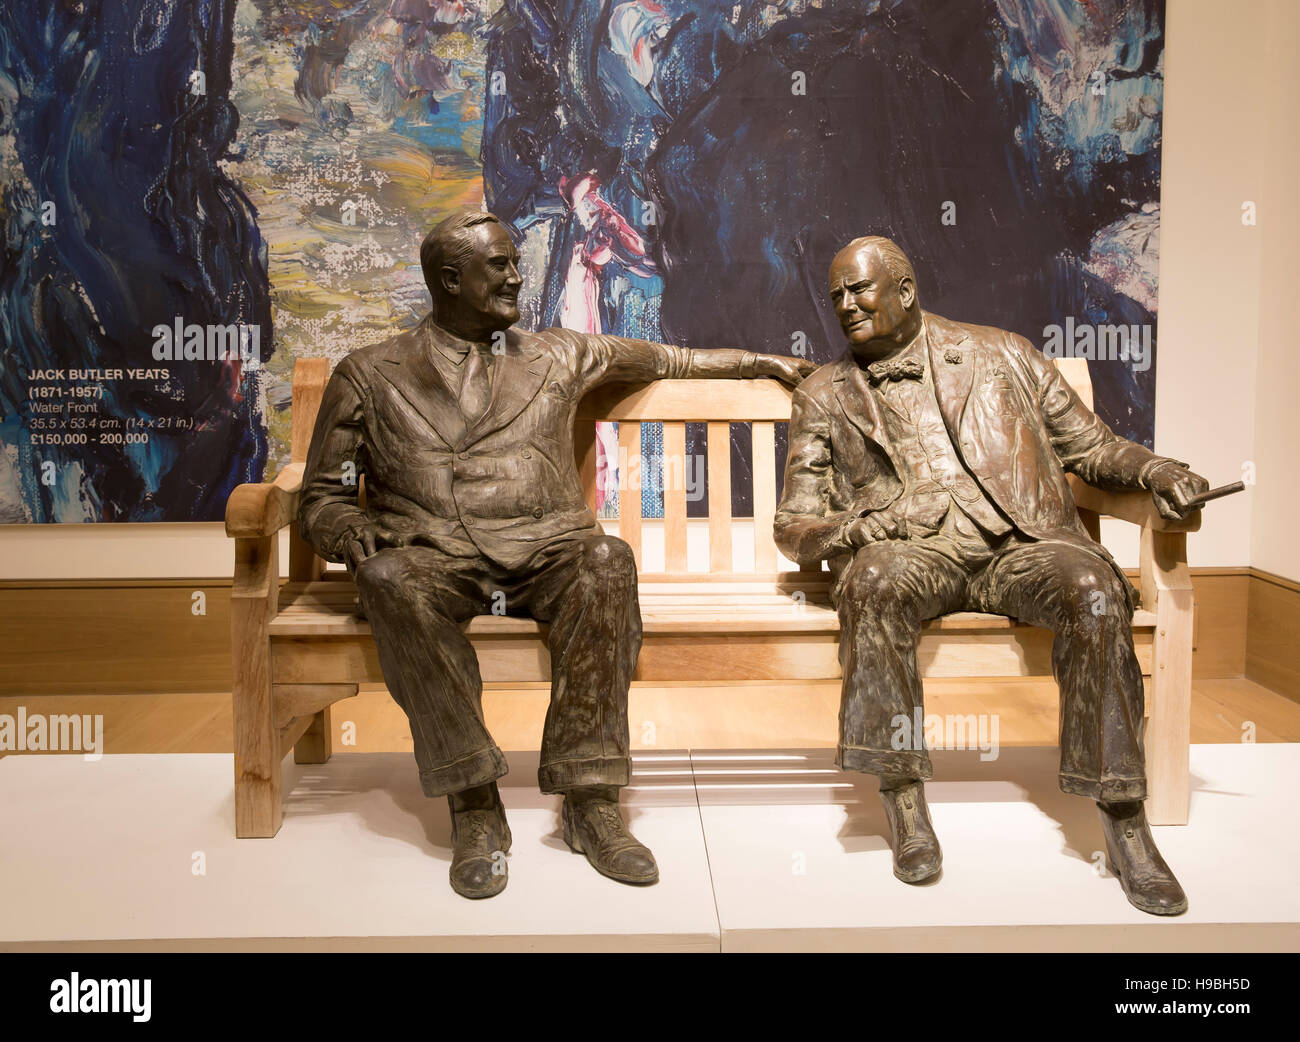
299	647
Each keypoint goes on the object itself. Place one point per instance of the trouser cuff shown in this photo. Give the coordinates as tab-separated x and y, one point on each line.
563	775
1105	789
907	763
476	769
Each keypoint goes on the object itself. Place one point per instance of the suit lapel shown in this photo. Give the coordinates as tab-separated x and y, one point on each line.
952	367
410	370
857	401
516	378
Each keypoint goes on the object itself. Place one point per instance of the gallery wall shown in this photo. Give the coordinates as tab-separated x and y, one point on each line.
1276	507
1227	378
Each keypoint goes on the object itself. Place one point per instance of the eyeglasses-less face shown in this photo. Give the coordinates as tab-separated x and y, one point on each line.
487	285
869	302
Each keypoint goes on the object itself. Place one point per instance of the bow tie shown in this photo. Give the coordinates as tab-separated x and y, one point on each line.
895	369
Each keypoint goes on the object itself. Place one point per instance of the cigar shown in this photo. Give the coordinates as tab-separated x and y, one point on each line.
1215	493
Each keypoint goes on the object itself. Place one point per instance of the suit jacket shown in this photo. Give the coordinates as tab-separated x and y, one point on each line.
1015	423
501	487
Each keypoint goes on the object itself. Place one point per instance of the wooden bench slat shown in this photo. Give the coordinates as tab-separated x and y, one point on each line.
695	401
674	485
629	486
719	484
703	657
763	438
664	618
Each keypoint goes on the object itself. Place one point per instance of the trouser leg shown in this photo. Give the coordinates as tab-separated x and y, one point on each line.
1079	597
586	590
415	599
888	590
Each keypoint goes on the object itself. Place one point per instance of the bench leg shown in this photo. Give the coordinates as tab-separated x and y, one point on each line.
317	744
257	744
1165	579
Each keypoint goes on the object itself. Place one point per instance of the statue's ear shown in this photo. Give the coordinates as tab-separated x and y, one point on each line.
450	278
907	293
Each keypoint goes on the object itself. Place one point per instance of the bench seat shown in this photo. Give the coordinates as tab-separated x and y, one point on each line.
730	629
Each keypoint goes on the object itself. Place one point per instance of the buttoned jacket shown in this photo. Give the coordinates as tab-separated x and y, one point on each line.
501	486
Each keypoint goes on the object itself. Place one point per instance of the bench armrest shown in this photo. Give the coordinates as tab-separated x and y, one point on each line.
260	510
1136	507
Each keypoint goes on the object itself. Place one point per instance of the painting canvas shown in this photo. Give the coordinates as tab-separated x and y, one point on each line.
258	174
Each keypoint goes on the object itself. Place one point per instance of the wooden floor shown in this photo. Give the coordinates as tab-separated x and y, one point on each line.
680	716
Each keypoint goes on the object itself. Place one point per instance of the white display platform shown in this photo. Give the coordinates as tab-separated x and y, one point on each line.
757	851
800	861
104	851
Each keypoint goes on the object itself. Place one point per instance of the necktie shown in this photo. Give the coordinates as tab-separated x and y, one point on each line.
895	369
475	391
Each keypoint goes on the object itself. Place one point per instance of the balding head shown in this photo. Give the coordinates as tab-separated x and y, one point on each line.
889	252
873	291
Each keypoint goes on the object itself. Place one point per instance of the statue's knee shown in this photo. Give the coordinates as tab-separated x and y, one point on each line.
1091	590
380	574
610	556
871	582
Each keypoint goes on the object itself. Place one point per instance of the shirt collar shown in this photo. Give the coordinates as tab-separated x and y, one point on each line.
451	347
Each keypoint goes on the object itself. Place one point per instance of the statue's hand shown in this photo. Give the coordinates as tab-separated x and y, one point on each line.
367	541
877	526
1172	488
790	371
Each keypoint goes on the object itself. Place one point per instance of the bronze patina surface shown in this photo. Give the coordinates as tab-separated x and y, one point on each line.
928	467
463	431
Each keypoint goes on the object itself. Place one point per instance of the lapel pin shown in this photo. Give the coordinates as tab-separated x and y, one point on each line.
952	356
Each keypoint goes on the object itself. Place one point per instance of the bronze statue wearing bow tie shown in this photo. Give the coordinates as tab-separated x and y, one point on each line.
928	467
463	429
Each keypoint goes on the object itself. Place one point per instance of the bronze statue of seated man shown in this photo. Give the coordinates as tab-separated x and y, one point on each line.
463	430
928	467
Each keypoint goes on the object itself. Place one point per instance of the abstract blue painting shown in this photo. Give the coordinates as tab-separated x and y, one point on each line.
689	167
179	174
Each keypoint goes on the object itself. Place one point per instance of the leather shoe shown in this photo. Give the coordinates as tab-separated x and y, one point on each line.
595	827
480	840
1132	856
917	856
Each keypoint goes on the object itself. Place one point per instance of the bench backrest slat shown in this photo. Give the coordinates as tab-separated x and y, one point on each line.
629	493
674	486
309	378
1075	371
719	481
763	434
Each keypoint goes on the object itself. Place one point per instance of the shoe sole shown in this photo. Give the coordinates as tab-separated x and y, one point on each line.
630	880
920	878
